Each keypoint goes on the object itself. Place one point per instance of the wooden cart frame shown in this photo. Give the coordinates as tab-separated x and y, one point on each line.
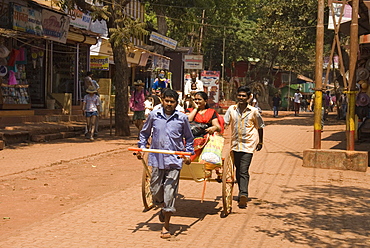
199	173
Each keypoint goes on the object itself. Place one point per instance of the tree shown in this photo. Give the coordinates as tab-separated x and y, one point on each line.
121	28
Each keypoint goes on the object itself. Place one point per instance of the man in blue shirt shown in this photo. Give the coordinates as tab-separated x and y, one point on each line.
168	128
160	82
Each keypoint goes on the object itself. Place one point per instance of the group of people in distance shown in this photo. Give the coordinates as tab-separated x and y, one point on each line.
142	102
171	129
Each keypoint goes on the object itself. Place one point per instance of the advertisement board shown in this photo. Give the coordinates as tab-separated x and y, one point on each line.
99	62
211	85
55	26
79	19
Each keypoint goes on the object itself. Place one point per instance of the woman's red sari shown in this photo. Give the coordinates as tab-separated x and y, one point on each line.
199	142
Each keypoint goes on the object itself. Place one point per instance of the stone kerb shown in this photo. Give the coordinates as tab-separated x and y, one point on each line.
336	159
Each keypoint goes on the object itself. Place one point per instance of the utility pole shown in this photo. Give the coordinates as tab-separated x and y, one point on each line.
318	74
352	78
201	32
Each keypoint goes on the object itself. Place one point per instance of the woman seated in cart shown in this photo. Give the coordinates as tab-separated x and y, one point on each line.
203	121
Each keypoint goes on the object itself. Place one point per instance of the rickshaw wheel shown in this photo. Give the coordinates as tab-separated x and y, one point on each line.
228	180
145	184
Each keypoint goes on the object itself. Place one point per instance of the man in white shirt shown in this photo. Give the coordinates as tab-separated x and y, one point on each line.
246	137
297	102
194	80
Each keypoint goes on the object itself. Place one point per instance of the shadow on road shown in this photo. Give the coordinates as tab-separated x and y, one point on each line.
323	216
185	209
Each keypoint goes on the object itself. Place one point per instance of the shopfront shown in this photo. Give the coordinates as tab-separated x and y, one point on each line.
42	57
23	77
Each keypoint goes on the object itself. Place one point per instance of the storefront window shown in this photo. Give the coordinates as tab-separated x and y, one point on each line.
63	68
35	70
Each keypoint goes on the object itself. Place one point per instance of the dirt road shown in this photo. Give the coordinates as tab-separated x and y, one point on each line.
77	193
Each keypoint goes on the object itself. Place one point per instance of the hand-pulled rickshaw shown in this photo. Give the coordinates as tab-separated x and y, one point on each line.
196	171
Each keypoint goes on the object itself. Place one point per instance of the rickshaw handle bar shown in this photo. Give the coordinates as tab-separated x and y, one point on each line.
158	151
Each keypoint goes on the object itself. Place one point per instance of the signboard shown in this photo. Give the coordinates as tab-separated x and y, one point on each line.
79	19
26	19
346	14
163	40
34	25
55	26
99	62
20	17
193	62
211	85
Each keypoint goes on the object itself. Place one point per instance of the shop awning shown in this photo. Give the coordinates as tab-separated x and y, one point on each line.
82	36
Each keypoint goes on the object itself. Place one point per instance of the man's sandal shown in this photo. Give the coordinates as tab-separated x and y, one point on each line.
165	235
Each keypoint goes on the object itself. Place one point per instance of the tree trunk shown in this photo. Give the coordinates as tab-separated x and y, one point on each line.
162	28
121	80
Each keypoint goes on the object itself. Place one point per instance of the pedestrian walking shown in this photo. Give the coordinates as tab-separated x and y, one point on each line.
297	102
169	130
89	81
246	137
160	82
343	106
276	101
150	102
91	108
137	105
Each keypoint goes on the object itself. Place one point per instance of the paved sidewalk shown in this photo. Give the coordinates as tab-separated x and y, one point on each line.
290	206
46	131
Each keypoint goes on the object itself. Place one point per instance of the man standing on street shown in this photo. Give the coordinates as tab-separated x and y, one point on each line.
246	137
194	80
297	102
169	129
276	100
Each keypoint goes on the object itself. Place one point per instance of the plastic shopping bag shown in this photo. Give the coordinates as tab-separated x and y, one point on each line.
212	152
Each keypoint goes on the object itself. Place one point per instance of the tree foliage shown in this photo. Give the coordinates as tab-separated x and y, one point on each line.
286	34
277	32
